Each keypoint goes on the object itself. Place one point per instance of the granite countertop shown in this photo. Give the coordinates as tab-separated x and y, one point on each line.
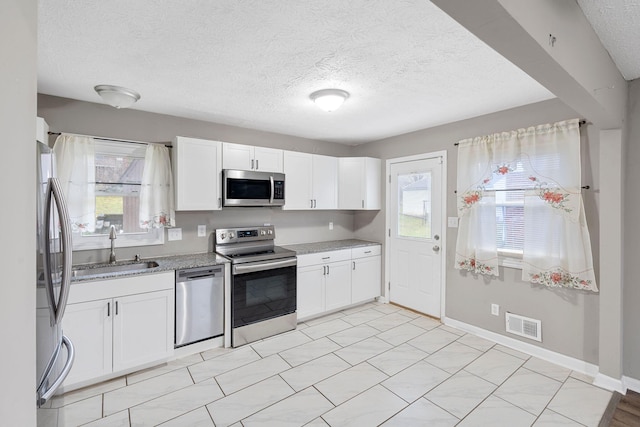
165	263
331	245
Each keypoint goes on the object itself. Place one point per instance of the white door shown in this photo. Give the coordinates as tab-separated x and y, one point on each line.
414	237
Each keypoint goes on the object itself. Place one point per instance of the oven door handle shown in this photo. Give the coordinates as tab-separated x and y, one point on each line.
262	266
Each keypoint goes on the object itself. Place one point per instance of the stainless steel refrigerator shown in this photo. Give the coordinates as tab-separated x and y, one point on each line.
54	350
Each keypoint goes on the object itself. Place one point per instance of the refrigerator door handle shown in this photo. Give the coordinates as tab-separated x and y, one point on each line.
54	192
71	354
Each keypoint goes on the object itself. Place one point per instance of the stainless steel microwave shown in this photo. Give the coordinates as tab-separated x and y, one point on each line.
247	188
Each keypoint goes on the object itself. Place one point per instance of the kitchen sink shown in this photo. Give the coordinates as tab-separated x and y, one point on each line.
120	267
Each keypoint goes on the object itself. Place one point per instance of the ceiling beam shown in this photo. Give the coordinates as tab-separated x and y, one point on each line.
553	42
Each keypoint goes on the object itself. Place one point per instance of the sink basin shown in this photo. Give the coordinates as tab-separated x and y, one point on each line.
122	267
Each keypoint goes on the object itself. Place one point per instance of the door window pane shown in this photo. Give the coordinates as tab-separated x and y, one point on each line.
414	205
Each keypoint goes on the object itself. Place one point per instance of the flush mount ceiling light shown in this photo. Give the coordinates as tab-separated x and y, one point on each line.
116	96
329	99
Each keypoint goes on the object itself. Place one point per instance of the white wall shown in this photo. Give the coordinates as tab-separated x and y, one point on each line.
569	317
17	216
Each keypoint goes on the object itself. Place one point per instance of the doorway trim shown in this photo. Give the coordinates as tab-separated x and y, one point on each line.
443	203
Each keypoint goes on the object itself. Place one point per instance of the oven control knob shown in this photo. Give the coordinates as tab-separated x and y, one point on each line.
222	236
263	232
232	235
269	232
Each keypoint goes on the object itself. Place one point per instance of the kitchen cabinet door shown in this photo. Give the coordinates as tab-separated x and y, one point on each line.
365	278
297	170
197	164
237	156
310	290
142	328
88	325
338	285
268	159
325	182
250	158
359	184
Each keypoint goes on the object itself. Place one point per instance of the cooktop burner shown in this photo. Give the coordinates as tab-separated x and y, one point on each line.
249	244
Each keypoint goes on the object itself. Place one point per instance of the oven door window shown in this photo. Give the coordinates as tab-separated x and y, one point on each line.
252	189
263	295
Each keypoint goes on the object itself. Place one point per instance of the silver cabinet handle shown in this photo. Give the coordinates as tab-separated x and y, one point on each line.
257	167
324	270
311	203
108	309
252	164
354	265
367	252
326	257
116	308
328	271
219	202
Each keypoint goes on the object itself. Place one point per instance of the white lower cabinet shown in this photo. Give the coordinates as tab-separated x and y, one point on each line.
120	324
365	274
329	281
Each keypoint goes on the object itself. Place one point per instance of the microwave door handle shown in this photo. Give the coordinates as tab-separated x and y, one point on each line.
65	245
272	189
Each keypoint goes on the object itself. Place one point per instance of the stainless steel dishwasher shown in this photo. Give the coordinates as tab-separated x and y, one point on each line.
199	304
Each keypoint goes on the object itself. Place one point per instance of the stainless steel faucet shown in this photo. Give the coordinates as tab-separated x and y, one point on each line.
112	237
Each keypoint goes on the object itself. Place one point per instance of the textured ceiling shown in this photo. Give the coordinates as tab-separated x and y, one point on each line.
617	24
253	63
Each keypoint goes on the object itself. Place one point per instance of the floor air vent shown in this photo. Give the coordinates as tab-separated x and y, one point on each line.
524	326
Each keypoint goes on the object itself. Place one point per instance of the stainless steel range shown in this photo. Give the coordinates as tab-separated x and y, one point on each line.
263	288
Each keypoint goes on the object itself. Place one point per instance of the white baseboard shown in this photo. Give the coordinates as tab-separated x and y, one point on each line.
551	356
610	383
631	384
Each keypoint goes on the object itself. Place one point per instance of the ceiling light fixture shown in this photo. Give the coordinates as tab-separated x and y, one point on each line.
116	96
329	99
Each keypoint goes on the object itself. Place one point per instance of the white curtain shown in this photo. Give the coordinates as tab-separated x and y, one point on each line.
157	208
75	163
557	248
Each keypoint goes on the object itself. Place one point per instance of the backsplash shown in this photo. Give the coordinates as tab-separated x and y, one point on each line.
291	227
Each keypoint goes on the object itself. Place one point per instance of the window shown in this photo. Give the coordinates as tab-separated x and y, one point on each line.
118	178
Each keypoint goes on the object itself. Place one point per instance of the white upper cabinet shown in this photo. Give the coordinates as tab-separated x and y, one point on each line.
196	174
247	157
297	172
359	183
325	182
311	181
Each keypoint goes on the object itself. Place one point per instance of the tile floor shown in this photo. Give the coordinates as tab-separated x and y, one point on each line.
371	365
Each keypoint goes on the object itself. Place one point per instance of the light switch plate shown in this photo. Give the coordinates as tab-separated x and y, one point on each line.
330	225
174	234
202	231
452	222
495	309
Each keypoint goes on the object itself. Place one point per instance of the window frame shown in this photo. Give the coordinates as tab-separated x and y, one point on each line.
154	236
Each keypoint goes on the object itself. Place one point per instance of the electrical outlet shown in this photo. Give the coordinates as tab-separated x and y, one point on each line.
495	309
330	225
174	234
202	231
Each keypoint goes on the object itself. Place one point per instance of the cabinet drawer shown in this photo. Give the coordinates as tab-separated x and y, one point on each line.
324	257
366	251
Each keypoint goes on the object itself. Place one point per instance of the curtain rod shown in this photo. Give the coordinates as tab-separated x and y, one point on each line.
584	187
580	123
113	139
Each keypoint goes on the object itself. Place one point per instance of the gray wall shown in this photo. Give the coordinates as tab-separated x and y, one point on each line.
18	213
569	317
67	115
631	290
